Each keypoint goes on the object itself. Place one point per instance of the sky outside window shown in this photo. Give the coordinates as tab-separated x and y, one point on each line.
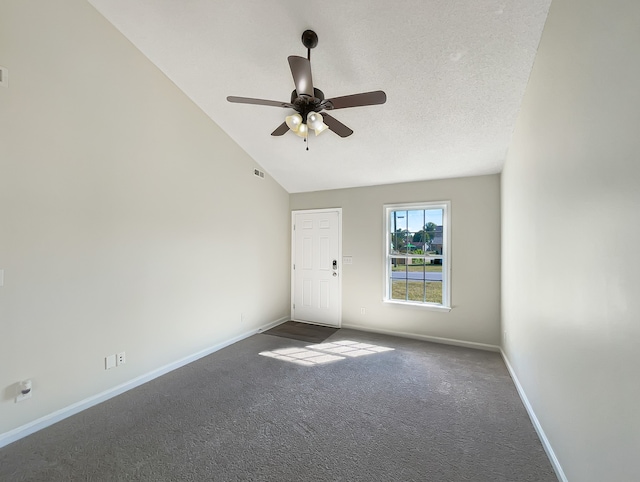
415	220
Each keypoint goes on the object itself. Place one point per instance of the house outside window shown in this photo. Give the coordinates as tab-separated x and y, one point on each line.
417	254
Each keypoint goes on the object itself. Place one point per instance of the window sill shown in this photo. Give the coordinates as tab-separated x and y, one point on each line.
423	306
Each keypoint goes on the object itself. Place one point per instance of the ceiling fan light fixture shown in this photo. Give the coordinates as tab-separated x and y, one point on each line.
294	122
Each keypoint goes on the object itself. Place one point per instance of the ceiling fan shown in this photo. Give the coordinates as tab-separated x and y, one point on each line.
308	101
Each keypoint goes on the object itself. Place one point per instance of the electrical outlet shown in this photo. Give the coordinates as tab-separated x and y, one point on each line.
121	359
363	311
109	362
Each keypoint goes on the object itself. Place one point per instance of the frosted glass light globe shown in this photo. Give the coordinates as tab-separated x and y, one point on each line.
302	130
294	122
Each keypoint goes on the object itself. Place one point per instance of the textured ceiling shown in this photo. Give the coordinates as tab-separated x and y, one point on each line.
454	74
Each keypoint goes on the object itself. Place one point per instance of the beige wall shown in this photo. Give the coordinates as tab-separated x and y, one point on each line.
475	257
571	231
128	220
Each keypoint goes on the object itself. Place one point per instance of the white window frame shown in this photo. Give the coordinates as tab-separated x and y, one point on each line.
446	242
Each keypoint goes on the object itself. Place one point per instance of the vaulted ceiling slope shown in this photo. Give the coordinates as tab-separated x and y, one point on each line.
454	74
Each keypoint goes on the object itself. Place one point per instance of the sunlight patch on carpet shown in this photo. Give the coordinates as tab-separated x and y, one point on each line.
325	352
350	348
301	356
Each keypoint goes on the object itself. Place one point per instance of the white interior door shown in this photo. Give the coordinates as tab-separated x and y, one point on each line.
317	267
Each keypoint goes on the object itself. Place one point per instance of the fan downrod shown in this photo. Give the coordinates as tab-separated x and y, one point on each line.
309	40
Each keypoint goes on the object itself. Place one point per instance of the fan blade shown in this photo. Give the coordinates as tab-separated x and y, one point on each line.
336	126
281	130
356	100
301	71
248	100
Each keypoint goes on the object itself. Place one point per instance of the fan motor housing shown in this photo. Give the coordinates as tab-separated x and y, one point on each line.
305	104
318	96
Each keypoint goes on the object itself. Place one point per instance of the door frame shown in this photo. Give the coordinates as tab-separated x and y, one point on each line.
293	256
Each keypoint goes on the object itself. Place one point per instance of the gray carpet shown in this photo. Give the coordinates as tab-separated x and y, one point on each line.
419	412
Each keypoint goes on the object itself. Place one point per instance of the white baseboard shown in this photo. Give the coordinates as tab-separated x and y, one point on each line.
434	339
49	419
273	324
555	463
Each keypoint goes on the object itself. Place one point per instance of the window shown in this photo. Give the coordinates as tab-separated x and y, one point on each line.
417	254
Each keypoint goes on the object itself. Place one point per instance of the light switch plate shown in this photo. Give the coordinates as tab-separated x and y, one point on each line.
347	260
